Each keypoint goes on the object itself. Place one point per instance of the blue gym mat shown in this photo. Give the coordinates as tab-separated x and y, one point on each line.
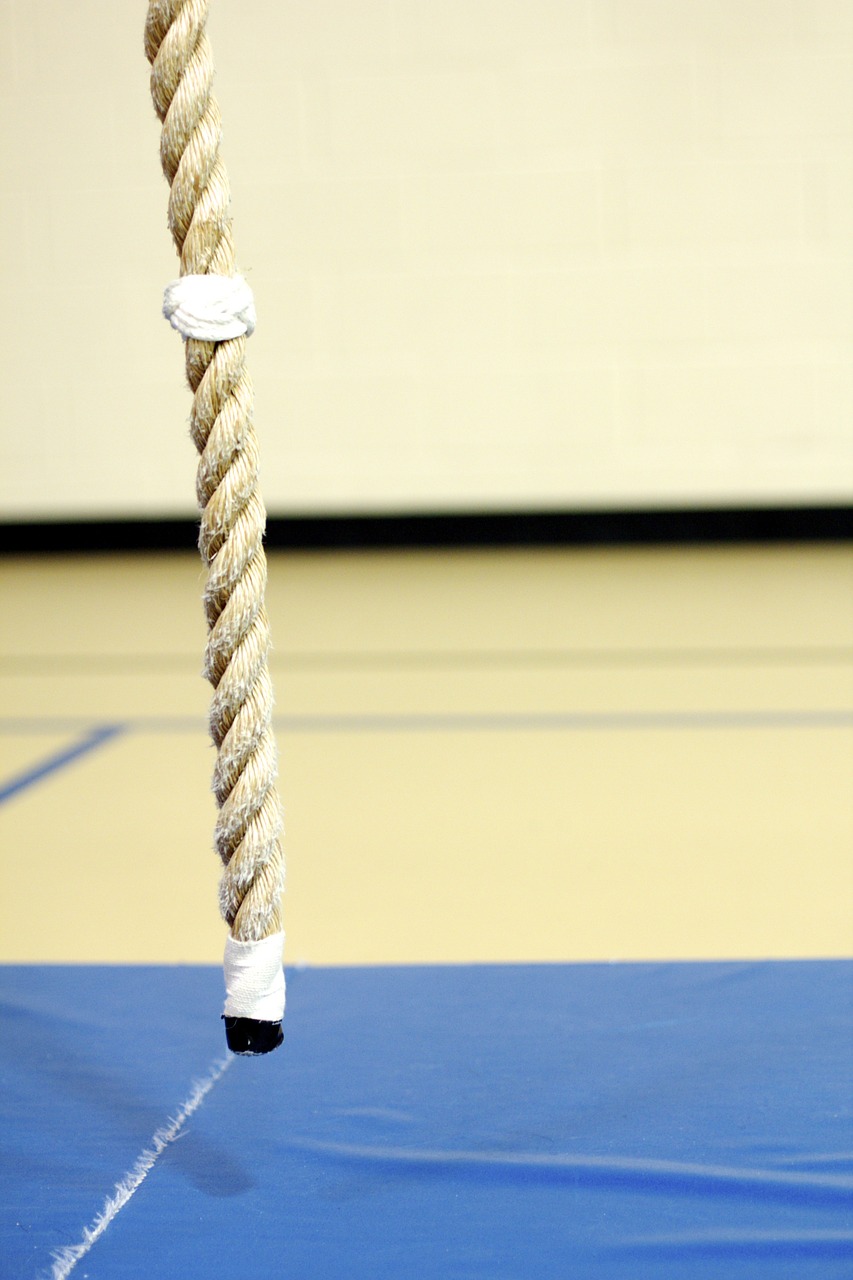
590	1121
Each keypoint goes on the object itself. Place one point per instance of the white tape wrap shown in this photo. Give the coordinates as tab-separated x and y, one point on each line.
210	307
254	979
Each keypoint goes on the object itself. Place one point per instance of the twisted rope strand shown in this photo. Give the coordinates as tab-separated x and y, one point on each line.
248	829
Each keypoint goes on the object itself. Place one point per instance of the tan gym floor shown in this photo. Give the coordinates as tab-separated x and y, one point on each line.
486	755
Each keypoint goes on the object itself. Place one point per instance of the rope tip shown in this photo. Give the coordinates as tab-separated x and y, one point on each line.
251	1036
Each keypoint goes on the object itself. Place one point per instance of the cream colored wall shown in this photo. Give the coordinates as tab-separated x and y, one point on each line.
505	252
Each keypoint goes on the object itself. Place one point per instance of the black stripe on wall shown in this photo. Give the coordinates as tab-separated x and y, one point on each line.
469	529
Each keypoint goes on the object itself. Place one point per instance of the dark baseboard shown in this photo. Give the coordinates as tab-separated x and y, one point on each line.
469	529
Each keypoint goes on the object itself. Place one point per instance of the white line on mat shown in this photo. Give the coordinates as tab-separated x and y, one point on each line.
66	1258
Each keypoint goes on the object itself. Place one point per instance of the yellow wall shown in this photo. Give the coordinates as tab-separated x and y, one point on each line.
505	253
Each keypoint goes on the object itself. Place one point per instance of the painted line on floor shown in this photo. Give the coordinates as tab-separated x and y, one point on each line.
99	664
453	722
570	721
59	760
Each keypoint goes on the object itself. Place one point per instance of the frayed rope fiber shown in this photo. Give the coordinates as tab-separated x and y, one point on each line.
211	308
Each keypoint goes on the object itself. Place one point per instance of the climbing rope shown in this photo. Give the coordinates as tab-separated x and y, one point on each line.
211	306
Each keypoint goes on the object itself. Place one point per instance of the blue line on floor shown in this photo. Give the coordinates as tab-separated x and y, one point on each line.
66	755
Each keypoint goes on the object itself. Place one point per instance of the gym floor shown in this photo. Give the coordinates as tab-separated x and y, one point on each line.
537	755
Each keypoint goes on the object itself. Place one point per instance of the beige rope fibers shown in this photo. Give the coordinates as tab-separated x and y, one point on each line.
249	825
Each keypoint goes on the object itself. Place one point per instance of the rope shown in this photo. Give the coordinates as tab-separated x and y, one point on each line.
249	825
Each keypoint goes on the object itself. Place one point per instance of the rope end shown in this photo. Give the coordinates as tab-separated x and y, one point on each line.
251	1037
254	995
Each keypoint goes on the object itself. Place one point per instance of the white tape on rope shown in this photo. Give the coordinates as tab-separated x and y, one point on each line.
254	979
210	307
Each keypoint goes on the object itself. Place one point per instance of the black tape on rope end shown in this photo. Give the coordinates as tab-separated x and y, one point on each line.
251	1037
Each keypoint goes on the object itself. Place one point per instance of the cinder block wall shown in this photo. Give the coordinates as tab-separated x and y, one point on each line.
506	254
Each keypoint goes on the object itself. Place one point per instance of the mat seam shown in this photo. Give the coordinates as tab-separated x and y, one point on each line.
66	1258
